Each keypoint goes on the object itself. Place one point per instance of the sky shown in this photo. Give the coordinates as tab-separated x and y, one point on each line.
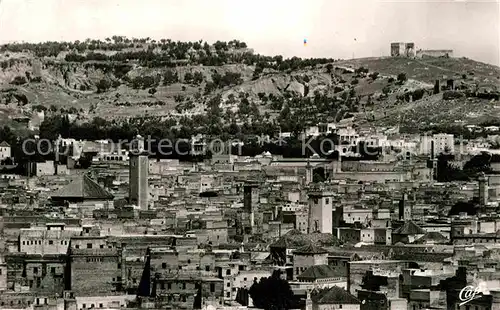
333	28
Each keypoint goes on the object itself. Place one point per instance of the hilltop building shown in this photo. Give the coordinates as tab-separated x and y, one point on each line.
434	53
403	49
408	49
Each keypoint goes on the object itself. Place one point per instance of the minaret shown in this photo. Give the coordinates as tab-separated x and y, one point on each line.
138	174
309	173
320	215
251	198
309	305
483	190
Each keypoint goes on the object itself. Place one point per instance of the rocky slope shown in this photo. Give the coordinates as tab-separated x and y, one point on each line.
123	89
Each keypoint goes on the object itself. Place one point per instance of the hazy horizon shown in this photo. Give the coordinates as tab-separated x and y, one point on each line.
333	28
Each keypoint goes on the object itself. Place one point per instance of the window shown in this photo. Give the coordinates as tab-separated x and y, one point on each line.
327	201
207	268
35	269
100	306
52	270
228	294
164	265
51	242
89	245
212	287
245	278
77	246
119	265
83	305
228	284
169	286
183	286
228	272
101	246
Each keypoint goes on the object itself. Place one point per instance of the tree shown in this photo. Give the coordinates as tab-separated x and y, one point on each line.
463	207
446	172
170	77
402	78
477	164
197	78
272	293
103	85
19	80
374	75
188	78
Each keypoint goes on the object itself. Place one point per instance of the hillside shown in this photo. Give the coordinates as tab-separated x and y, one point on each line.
120	79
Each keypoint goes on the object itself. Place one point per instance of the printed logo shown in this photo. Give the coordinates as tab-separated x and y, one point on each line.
468	294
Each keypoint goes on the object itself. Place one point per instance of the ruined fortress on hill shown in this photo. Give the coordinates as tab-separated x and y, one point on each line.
408	50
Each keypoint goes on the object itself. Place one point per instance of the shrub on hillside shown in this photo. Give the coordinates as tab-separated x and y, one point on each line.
103	85
337	89
188	78
145	81
75	57
19	80
170	77
329	68
228	79
402	78
451	94
361	70
374	75
418	94
197	78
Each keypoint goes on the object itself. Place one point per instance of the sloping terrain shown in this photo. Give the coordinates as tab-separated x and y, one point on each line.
429	69
366	88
